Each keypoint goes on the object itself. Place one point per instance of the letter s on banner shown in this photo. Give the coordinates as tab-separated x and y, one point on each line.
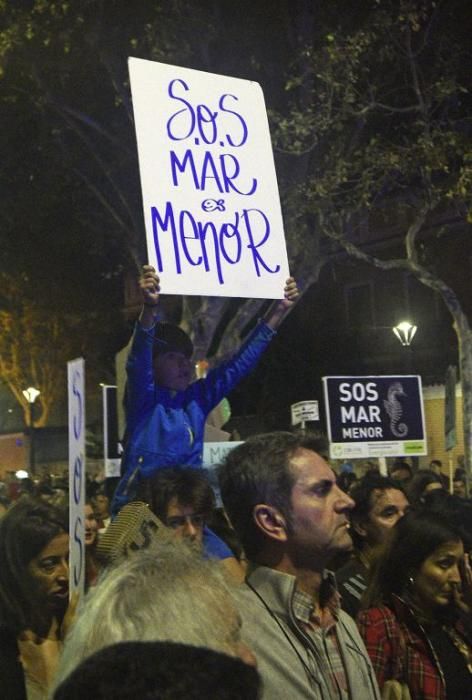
344	391
77	568
76	403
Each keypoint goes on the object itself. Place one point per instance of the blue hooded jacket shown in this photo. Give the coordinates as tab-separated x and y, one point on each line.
166	428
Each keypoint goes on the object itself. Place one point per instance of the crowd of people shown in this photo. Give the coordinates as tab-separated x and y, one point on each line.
304	584
276	622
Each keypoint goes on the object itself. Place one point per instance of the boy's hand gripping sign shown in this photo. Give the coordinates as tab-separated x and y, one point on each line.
211	203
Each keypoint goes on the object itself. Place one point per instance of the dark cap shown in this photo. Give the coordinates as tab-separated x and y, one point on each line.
171	338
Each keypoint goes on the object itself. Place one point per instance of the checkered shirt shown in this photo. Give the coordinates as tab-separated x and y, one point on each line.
398	652
322	632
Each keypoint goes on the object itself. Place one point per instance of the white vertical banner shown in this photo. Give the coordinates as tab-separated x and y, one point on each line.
76	401
111	447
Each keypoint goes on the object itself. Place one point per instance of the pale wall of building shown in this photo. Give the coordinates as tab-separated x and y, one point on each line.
13	453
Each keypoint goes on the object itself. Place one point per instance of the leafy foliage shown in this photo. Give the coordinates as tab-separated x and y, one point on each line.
381	113
375	137
35	345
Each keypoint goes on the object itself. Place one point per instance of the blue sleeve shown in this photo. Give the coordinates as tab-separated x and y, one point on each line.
214	547
222	379
140	387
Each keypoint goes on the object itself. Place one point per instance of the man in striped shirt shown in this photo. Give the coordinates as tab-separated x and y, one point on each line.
379	503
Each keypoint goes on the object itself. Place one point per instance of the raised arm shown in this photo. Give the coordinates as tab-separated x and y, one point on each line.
140	386
277	311
150	287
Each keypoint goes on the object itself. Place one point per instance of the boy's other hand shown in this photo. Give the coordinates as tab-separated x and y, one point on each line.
291	293
149	284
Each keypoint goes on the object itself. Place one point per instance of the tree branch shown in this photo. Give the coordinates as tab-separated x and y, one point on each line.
117	84
102	199
103	167
204	323
91	123
411	235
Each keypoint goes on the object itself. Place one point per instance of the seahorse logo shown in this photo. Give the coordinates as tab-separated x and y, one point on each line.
395	411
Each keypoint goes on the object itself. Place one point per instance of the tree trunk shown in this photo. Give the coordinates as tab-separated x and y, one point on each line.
464	335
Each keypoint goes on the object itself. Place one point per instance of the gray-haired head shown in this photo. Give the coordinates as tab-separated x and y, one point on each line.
164	593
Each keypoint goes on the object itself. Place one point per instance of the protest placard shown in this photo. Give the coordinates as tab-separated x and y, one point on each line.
211	203
304	411
76	402
214	454
375	416
111	444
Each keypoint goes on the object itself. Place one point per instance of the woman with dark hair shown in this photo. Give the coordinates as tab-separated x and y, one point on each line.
91	540
34	596
417	621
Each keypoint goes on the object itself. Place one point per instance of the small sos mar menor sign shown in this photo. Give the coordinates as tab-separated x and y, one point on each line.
211	202
375	416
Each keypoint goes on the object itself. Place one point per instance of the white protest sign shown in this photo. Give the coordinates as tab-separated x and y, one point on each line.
76	401
215	452
111	446
211	203
304	411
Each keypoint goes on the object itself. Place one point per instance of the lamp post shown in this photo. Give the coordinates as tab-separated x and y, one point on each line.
405	332
31	394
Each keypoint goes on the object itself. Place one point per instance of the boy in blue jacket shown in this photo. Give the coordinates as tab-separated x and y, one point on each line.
165	410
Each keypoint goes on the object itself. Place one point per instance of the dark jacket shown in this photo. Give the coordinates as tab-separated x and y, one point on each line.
352	581
12	678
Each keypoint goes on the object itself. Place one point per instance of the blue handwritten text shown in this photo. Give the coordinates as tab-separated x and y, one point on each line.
204	243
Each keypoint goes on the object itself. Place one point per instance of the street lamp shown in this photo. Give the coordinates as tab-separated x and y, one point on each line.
405	332
31	394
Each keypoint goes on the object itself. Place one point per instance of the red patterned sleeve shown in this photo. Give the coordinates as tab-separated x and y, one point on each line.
380	633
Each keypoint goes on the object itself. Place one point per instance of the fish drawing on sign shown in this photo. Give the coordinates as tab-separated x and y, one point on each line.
395	411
